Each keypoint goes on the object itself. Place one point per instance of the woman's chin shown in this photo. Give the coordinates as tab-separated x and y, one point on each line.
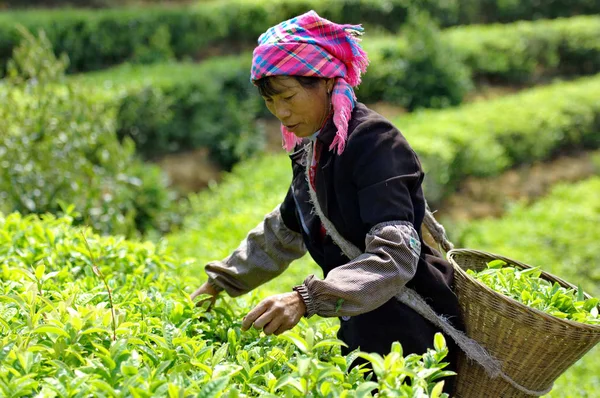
301	133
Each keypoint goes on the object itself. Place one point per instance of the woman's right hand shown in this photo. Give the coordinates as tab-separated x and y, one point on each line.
206	288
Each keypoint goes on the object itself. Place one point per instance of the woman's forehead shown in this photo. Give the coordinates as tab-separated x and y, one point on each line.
283	83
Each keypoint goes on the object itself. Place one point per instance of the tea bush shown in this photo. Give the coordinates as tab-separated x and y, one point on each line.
479	139
97	39
102	316
172	107
516	53
57	148
526	52
416	70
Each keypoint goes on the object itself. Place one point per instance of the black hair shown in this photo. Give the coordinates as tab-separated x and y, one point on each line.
266	89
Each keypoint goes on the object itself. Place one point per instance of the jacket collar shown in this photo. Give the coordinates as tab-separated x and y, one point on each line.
327	134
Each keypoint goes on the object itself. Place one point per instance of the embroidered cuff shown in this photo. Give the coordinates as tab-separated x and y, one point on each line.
310	307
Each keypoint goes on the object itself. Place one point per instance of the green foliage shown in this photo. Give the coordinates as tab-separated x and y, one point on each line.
488	11
424	73
96	39
431	68
528	287
157	49
57	336
221	216
34	59
525	52
60	152
172	107
480	140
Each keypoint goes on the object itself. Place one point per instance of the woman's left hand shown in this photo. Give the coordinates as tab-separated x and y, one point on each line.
276	314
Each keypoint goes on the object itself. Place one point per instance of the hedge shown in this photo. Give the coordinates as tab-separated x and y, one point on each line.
485	138
524	52
107	317
172	107
60	153
175	106
97	39
517	53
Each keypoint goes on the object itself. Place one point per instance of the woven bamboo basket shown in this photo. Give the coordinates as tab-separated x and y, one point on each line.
533	347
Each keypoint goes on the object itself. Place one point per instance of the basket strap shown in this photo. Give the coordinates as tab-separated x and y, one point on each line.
436	230
409	297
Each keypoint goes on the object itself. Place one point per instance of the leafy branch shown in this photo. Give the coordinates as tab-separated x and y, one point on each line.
101	276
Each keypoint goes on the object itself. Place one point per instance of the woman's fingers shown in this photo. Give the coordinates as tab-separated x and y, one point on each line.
263	320
253	315
275	314
282	328
272	326
206	288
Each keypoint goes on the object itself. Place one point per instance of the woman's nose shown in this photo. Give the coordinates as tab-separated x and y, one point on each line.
282	112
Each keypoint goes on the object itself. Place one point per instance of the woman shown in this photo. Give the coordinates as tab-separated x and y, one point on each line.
356	188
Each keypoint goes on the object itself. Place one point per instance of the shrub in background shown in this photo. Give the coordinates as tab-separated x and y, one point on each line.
526	52
96	39
487	137
421	71
519	53
58	148
170	107
174	107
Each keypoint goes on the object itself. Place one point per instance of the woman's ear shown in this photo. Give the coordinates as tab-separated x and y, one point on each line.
329	85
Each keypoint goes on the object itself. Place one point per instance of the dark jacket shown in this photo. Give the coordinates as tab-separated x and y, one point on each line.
376	179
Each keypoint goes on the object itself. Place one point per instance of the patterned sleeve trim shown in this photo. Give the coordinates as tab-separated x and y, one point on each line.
303	291
390	260
264	254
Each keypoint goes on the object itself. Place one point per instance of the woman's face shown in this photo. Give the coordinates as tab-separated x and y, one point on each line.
302	110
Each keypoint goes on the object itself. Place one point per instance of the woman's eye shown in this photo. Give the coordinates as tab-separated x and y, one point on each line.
289	98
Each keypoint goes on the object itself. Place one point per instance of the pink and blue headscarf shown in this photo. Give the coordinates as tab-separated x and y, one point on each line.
309	45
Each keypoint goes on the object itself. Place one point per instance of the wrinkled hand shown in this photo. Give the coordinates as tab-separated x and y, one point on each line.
206	288
276	314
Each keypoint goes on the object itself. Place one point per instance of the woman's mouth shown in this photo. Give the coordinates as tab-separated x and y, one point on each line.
290	127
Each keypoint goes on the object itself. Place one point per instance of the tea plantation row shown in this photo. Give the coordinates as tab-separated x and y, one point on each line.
168	107
83	315
99	38
57	324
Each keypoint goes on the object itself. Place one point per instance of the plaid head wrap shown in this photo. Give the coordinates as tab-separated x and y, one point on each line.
309	45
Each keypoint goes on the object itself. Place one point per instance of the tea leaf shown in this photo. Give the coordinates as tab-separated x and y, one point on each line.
50	329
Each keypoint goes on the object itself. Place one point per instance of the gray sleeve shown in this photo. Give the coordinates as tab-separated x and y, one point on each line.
370	280
264	254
